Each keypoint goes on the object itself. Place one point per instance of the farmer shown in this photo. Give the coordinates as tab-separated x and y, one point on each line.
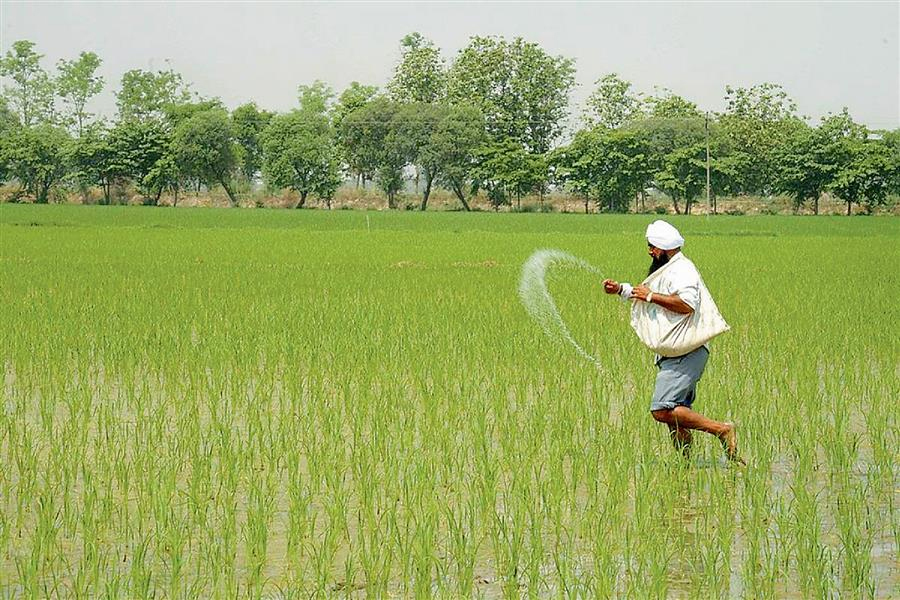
677	289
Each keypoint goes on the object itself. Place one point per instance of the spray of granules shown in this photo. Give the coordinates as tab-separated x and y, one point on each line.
537	299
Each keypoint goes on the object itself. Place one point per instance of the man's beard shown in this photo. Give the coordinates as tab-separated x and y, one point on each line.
657	263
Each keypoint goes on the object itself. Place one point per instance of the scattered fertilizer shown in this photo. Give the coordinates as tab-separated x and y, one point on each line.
537	299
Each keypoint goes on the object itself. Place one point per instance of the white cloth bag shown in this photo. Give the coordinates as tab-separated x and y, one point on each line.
671	334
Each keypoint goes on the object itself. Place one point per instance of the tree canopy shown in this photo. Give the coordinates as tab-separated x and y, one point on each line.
493	119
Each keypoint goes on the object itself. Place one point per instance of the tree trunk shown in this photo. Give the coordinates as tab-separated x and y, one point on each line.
175	202
816	205
675	204
457	189
303	195
849	203
427	192
231	196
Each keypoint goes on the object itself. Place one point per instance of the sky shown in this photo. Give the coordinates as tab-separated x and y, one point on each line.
827	55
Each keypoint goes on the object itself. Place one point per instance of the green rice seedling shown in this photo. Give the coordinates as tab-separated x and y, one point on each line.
207	403
464	540
140	577
261	497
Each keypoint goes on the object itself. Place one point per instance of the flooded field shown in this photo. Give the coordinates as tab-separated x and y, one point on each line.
205	403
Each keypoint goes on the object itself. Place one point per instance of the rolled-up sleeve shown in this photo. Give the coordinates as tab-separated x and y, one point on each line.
686	285
690	295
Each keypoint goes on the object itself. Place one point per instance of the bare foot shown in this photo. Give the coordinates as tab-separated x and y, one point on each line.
729	443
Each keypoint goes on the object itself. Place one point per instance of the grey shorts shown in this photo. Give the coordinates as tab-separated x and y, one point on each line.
676	382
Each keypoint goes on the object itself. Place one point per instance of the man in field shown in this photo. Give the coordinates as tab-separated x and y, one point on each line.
677	289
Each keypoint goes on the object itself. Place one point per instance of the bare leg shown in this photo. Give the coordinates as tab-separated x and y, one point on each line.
681	417
681	439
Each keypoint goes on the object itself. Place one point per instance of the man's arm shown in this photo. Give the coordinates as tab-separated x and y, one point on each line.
671	302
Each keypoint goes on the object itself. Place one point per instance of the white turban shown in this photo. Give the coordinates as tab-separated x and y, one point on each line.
664	236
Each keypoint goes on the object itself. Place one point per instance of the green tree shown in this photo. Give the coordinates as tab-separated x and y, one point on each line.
810	159
204	148
248	123
37	157
522	91
663	136
146	95
420	76
315	98
352	99
96	161
507	171
758	120
806	166
411	131
612	103
456	141
370	132
355	96
178	112
722	169
8	119
164	174
31	94
167	173
141	150
604	165
667	105
440	141
299	154
77	83
683	175
9	123
867	175
891	140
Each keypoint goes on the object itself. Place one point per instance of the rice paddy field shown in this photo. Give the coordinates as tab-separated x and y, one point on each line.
259	403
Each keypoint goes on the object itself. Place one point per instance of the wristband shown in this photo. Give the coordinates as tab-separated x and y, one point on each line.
649	296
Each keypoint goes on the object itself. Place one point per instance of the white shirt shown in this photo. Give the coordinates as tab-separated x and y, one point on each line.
680	278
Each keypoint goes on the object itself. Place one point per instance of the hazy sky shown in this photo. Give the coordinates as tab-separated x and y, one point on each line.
826	55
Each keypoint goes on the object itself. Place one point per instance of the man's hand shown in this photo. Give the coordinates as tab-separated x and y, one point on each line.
611	287
640	292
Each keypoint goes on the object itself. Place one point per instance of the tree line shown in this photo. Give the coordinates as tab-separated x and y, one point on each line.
494	121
